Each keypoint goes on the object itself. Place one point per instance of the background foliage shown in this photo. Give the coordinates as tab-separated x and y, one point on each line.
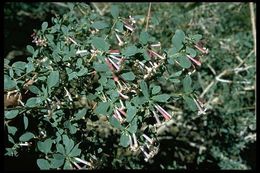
224	138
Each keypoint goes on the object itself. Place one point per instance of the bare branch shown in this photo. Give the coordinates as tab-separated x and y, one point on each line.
148	16
251	5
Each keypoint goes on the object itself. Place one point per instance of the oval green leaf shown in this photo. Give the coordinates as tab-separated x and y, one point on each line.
11	114
26	137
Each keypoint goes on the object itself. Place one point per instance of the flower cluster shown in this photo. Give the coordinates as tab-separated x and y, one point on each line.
39	41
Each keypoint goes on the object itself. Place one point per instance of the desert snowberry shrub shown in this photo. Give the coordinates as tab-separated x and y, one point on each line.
93	78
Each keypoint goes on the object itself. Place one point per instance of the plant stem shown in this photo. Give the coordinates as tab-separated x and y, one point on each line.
148	16
251	5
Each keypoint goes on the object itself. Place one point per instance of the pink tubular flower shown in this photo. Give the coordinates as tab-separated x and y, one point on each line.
135	140
148	139
115	58
123	95
156	54
156	118
83	161
195	61
128	26
156	45
118	116
147	156
114	52
121	110
165	114
120	42
109	64
114	64
76	165
203	50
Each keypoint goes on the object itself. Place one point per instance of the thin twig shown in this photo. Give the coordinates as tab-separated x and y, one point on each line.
103	10
96	7
251	5
148	16
244	60
61	4
207	89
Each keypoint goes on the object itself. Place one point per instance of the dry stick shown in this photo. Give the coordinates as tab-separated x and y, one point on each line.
207	89
61	4
148	16
251	5
103	10
223	73
96	7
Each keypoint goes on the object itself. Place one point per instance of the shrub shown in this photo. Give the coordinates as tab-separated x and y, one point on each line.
105	91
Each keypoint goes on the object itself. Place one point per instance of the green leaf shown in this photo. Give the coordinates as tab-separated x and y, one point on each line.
119	26
190	102
44	26
33	101
56	163
9	83
184	62
12	130
30	49
103	80
60	149
100	44
75	151
58	156
53	79
68	143
124	140
144	89
43	164
114	11
82	72
161	97
139	101
99	25
29	67
129	76
133	126
19	65
144	37
11	114
45	146
11	72
156	89
10	139
130	51
72	75
64	29
178	37
191	52
178	73
174	80
80	114
34	89
26	137
100	67
25	122
196	37
131	112
67	165
102	108
187	84
68	146
114	122
73	128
